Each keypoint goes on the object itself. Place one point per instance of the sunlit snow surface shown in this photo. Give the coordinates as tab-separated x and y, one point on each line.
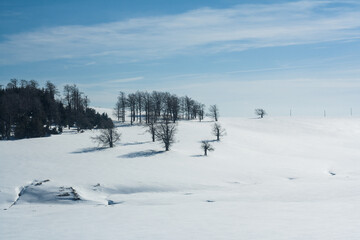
272	178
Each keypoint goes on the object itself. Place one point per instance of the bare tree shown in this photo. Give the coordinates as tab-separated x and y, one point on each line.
107	137
174	107
165	133
119	109
260	112
188	106
131	102
152	130
148	107
214	112
201	112
206	146
157	99
139	97
218	131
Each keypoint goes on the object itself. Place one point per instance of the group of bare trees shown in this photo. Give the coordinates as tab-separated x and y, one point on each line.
145	107
159	111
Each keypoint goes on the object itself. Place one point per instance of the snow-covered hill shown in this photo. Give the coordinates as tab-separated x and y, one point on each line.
272	178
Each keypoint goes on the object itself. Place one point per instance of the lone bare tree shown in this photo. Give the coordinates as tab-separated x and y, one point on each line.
260	112
165	133
206	146
218	131
107	137
214	112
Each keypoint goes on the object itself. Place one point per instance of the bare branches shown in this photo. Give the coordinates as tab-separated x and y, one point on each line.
120	107
165	133
260	112
218	131
107	137
214	112
152	130
206	146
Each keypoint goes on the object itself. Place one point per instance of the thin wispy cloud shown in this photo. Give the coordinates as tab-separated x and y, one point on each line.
201	31
123	80
110	83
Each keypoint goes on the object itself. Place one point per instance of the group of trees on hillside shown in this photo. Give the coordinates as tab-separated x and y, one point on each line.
27	111
160	111
145	107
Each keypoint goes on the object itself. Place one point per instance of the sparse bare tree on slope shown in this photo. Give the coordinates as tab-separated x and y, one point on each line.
152	130
214	112
206	146
165	133
218	131
107	137
260	112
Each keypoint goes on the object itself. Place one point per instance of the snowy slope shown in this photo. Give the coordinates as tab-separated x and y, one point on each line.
272	178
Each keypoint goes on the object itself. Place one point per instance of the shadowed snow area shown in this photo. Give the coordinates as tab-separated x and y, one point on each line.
271	178
43	194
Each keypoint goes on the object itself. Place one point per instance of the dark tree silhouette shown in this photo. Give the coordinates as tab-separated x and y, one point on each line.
218	131
27	111
260	112
201	112
139	97
107	137
189	103
153	107
120	107
206	146
214	112
165	133
157	99
131	102
149	106
152	130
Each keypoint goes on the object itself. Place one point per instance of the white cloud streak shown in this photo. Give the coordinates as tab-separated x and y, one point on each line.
110	83
201	31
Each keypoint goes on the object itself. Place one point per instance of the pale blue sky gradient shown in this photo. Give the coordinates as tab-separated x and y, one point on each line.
303	55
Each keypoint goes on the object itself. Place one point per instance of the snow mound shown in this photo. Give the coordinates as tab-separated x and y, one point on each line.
39	192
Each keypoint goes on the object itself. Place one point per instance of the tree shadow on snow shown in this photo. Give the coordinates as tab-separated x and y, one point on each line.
213	140
121	125
88	150
146	153
198	155
134	143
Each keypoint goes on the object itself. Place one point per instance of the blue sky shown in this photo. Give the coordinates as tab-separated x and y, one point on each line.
241	55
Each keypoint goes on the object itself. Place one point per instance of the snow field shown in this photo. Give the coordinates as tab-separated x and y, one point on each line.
272	178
